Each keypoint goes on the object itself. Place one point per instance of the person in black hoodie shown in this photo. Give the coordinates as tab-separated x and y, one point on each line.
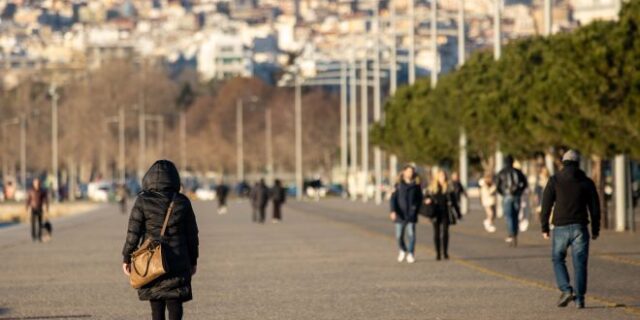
405	204
260	200
278	196
575	203
441	196
161	185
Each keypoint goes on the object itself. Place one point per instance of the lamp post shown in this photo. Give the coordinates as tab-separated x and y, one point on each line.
54	139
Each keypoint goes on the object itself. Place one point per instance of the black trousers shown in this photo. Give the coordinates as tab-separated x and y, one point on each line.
36	224
158	308
222	202
441	236
277	212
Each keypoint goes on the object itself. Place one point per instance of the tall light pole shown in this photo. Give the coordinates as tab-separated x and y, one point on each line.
121	146
393	85
298	131
142	137
239	141
434	42
23	150
268	144
412	42
54	140
352	119
364	124
159	119
343	119
497	52
183	139
464	157
548	17
16	121
377	97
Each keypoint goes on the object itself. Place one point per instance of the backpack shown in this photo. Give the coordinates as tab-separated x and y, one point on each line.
513	182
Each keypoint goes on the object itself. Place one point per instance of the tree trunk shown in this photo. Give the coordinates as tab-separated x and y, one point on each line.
599	180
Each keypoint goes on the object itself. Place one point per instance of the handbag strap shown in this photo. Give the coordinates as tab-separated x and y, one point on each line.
166	216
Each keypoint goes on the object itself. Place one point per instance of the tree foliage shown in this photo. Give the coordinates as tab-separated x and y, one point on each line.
579	89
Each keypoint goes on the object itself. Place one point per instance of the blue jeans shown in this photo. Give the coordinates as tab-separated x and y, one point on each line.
575	236
410	229
511	209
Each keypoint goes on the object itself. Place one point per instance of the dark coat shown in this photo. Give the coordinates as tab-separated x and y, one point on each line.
574	199
445	206
278	194
260	195
406	201
180	242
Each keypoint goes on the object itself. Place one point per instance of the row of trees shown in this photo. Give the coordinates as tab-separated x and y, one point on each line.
90	103
579	90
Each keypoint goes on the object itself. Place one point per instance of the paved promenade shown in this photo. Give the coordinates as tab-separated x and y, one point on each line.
332	259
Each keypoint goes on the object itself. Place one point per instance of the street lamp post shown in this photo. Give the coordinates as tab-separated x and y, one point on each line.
377	97
239	141
298	131
269	144
54	140
364	125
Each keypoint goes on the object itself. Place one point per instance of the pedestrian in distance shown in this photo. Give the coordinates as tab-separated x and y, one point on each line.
260	199
575	203
441	198
488	200
510	185
37	206
161	186
222	191
255	214
406	201
458	189
122	193
278	197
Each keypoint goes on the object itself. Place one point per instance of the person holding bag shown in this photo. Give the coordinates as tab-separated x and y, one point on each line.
405	205
441	207
162	239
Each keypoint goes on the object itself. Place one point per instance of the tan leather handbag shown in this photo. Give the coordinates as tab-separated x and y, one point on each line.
147	263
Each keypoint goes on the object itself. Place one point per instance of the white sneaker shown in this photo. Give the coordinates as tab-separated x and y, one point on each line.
524	225
488	226
411	258
401	256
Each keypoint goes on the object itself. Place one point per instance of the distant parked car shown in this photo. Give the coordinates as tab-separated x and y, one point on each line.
206	193
99	191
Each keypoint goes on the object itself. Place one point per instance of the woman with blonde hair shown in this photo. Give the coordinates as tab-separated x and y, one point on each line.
441	197
405	204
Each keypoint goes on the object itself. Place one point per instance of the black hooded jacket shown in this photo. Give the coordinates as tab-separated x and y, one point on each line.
159	185
573	198
406	201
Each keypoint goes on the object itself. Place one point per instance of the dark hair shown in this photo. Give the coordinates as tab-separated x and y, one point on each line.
508	160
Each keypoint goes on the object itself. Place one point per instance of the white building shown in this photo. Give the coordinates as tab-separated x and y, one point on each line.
586	11
223	55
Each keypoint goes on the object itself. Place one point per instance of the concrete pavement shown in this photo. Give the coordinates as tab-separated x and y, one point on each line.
329	260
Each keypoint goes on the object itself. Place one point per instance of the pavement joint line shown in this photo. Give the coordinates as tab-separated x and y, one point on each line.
471	265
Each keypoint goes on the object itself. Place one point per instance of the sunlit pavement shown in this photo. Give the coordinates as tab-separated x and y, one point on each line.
333	259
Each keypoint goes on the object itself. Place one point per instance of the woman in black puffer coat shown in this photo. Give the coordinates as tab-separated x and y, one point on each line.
159	186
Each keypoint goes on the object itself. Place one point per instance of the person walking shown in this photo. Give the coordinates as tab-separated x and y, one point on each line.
161	186
441	196
488	200
510	185
37	206
458	189
279	197
122	193
259	200
405	205
222	191
575	203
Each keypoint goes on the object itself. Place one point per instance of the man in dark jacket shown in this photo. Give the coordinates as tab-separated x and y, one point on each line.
278	196
161	185
222	191
259	200
37	205
510	185
405	204
576	204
